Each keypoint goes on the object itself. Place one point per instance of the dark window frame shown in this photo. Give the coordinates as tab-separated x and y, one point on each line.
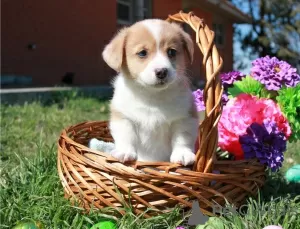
220	33
134	8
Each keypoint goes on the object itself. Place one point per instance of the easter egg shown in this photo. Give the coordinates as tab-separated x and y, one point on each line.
104	225
293	174
28	225
272	227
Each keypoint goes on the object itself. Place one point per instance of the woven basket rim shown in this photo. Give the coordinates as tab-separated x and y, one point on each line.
169	166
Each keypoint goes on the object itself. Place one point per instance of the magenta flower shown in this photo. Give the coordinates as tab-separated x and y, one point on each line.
242	111
274	73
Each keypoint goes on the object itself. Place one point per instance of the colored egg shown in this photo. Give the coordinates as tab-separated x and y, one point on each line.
293	174
28	225
272	227
104	225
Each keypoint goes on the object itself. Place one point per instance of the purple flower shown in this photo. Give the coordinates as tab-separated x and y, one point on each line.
199	99
264	142
180	227
225	98
230	77
274	73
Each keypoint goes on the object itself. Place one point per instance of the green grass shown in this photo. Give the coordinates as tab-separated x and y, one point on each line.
30	187
24	127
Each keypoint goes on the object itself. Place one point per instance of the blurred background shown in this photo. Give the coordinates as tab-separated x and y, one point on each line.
54	43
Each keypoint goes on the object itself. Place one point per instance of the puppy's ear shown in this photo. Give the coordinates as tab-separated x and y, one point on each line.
188	45
113	53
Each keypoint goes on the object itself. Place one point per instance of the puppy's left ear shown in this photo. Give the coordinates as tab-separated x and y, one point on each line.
188	45
113	53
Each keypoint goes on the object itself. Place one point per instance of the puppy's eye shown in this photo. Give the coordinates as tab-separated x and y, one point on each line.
142	54
171	53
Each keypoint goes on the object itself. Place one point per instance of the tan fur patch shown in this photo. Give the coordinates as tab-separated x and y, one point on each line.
171	38
113	52
139	38
174	35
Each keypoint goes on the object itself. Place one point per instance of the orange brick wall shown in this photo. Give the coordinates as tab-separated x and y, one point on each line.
228	55
69	34
162	8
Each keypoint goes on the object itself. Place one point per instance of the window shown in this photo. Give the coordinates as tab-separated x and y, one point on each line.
219	34
146	9
124	12
130	11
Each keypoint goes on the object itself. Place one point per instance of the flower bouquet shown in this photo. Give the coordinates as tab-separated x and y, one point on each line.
261	112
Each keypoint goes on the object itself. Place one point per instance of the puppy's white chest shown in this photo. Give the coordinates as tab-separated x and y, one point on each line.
154	142
152	118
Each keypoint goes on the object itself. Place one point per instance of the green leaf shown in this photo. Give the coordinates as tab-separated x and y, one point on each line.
289	102
247	85
234	91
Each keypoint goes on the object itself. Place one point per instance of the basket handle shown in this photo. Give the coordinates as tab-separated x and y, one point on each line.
212	63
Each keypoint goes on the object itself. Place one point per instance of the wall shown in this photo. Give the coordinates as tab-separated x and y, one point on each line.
162	8
69	34
228	50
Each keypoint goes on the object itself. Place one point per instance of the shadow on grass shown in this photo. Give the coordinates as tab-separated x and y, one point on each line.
48	98
60	97
277	186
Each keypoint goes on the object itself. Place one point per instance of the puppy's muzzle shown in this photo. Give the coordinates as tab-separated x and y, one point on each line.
161	73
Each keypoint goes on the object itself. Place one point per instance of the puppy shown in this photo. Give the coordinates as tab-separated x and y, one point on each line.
153	117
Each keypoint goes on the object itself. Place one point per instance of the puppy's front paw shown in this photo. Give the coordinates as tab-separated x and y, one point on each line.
124	156
183	156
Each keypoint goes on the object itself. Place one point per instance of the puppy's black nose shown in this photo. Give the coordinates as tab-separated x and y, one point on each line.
161	73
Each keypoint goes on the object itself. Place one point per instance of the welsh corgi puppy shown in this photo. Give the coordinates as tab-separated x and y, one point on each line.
153	116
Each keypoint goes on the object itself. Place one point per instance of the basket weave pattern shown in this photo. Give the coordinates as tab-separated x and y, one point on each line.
97	179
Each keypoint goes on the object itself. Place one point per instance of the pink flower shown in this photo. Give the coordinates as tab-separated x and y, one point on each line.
239	113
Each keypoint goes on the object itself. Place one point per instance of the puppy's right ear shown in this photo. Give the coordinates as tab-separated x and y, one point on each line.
113	52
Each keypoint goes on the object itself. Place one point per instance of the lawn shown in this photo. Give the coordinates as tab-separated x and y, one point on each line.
30	187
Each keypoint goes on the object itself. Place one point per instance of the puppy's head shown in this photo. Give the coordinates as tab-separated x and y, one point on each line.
151	52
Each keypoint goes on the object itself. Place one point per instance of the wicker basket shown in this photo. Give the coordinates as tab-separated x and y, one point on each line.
97	179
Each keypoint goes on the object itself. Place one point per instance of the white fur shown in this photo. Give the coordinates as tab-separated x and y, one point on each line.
157	124
148	78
